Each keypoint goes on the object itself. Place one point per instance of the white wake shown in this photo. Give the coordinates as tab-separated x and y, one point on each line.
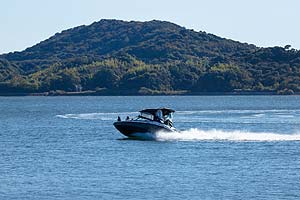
197	135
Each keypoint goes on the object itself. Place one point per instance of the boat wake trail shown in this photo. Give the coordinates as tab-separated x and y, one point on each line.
215	135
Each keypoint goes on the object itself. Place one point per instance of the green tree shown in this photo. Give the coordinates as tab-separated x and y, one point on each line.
66	80
105	78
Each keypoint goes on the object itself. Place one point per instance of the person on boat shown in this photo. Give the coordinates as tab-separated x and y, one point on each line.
168	119
159	116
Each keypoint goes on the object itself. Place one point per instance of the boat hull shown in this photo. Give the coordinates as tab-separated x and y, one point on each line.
138	128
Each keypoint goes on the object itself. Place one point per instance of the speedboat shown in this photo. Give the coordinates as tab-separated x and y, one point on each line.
149	121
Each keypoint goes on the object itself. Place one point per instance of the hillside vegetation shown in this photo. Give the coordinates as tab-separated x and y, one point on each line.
155	57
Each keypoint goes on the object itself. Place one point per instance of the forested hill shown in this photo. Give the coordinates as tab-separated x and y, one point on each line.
155	57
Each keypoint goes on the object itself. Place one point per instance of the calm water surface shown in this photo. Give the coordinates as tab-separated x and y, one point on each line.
245	147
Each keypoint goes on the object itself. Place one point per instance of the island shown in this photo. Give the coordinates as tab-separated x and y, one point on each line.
115	57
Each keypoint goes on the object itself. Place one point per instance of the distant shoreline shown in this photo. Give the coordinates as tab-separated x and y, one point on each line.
94	93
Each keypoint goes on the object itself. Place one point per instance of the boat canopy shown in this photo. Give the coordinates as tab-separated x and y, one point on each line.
165	111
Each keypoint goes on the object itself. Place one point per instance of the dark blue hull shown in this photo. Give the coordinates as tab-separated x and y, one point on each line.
135	128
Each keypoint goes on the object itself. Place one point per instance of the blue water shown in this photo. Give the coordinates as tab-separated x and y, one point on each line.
244	147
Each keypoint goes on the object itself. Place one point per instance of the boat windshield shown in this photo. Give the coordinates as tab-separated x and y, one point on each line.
146	115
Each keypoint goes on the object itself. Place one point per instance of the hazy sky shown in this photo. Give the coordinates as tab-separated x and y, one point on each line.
261	22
